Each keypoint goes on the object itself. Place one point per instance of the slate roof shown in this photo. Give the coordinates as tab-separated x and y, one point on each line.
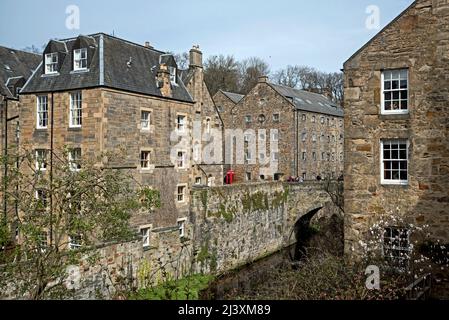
308	101
15	64
113	63
235	97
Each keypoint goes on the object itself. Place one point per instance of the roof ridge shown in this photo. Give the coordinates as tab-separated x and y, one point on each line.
239	94
301	90
20	50
381	31
115	38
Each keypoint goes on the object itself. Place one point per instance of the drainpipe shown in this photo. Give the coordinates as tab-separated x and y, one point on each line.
5	154
51	170
296	124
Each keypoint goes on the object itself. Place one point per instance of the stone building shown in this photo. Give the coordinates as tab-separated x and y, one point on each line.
108	95
207	171
396	121
15	68
280	132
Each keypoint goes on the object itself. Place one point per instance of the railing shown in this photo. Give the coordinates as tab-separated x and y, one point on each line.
420	289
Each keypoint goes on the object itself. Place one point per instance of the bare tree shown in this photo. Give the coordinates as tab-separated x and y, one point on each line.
221	73
182	60
60	219
34	49
306	78
249	72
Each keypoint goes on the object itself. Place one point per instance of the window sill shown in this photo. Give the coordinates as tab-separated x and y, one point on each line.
74	128
53	74
79	71
394	116
146	171
394	184
42	129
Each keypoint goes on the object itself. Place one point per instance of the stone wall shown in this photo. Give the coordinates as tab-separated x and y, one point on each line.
228	227
418	40
238	224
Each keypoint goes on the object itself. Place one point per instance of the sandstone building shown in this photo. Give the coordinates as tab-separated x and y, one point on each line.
15	68
396	121
286	133
100	94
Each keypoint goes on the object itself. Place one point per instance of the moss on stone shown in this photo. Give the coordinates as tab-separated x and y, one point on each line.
280	198
205	256
246	202
204	199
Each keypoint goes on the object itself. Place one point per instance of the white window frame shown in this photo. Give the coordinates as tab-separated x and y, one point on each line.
145	123
78	60
182	227
248	119
405	111
74	245
248	155
198	181
41	165
72	161
173	72
181	159
248	176
42	112
181	123
43	197
391	246
382	162
43	237
275	156
275	136
181	195
145	232
276	117
51	65
76	108
147	159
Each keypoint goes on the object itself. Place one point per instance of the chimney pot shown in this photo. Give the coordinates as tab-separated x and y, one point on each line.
263	79
147	45
196	57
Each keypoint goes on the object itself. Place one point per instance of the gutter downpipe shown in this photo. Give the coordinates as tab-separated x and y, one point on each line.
5	154
51	169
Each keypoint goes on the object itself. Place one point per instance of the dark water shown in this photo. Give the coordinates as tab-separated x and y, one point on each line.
243	280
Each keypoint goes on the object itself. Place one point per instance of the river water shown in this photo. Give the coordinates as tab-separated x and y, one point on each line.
242	281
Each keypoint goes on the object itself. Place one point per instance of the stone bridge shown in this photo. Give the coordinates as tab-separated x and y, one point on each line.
236	225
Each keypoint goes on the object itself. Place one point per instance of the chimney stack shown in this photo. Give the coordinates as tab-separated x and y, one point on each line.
263	79
196	57
147	45
163	80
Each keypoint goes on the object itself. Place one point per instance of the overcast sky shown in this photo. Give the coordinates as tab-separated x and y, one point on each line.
319	33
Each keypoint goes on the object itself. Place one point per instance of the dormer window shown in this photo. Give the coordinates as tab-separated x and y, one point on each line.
172	74
80	59
51	63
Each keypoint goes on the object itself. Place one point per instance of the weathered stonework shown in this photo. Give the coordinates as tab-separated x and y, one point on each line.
417	40
229	226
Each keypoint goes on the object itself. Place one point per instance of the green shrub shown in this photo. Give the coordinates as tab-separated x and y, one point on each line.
187	288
